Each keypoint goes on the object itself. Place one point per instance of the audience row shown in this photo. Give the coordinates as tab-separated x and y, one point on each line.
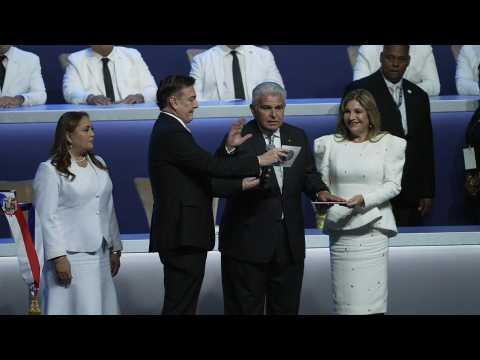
106	74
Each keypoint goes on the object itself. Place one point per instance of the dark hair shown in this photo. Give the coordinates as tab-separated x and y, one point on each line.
170	86
61	158
407	46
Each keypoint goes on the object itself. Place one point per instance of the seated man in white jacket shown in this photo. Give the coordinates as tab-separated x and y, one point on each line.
422	70
107	74
21	81
468	66
227	72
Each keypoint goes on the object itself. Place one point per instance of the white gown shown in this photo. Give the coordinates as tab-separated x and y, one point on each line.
359	237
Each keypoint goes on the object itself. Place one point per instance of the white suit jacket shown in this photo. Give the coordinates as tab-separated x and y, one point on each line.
208	71
84	76
380	182
466	77
23	76
422	70
74	215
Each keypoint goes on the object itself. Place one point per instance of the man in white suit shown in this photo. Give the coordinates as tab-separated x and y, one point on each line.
422	70
468	67
107	74
226	72
21	81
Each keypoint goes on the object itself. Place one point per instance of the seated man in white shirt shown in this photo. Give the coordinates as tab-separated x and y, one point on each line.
227	72
422	70
468	66
107	74
21	81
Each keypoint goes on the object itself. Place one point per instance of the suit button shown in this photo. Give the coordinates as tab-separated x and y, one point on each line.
98	212
97	196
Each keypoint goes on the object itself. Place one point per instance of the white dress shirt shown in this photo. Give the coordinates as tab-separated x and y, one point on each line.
227	68
98	70
396	90
277	142
422	70
466	76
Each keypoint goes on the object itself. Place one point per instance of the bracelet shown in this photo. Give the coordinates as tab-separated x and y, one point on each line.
118	252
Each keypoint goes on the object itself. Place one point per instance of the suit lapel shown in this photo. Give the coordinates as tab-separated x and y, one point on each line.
248	67
407	93
97	78
120	70
286	139
258	141
218	71
387	99
12	69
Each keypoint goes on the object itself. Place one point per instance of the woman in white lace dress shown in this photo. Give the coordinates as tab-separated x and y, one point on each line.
363	165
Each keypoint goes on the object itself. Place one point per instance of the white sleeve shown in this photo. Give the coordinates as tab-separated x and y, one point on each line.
46	187
392	178
147	82
36	94
321	154
364	64
113	227
466	77
73	90
430	82
196	71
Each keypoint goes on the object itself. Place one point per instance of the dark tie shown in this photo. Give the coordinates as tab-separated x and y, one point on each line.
270	145
237	77
107	78
2	71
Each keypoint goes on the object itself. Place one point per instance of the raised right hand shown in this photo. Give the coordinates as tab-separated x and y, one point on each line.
272	156
62	268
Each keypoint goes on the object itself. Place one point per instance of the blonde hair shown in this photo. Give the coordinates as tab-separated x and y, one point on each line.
366	101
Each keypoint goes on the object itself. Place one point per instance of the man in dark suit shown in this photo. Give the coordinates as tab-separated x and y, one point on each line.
182	229
262	235
405	112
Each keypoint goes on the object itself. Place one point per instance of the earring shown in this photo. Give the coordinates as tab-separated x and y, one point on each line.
370	126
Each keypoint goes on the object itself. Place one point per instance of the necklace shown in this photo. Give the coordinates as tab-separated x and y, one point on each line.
81	160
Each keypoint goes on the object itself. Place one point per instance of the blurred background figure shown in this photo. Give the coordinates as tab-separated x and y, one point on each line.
107	74
226	72
468	66
21	81
422	70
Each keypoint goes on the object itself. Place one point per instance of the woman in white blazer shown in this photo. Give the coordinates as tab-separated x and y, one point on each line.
77	223
364	166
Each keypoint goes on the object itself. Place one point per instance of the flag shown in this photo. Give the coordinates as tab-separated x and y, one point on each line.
28	259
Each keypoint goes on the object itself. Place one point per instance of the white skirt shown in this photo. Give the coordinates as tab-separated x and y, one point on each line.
359	262
91	291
